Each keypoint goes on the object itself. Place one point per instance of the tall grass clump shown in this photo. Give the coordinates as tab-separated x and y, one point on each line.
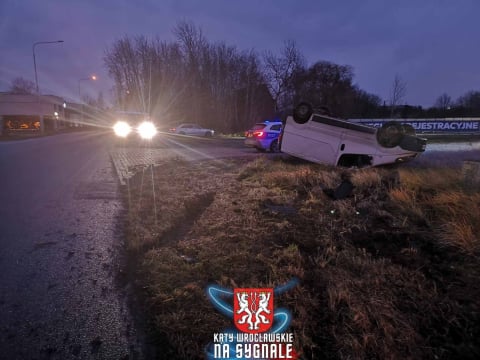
438	194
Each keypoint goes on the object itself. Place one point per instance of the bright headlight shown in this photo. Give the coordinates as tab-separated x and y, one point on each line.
122	129
147	130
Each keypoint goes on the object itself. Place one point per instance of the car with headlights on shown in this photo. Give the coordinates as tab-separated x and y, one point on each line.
192	130
131	124
264	136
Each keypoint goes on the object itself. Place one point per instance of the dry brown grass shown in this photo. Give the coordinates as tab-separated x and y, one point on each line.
376	280
366	178
438	196
462	235
407	200
436	178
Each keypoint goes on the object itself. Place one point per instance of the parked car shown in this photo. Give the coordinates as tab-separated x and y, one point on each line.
264	136
192	129
321	138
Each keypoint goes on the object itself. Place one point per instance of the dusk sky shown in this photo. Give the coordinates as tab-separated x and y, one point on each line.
433	45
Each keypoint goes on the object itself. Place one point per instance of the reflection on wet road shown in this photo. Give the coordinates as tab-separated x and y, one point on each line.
450	154
454	146
58	249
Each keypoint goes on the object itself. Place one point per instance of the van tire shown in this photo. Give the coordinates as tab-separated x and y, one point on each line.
302	113
408	129
413	143
390	134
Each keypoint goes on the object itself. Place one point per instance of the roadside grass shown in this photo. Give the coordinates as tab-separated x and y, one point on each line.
238	135
390	272
452	211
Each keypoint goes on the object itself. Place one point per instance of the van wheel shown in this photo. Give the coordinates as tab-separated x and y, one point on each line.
390	134
324	110
302	113
408	129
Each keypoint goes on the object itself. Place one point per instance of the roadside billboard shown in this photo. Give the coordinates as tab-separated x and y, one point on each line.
434	126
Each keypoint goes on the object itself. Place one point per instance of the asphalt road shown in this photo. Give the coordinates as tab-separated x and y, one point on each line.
59	252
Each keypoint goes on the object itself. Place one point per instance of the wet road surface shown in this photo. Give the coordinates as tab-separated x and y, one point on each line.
451	154
59	248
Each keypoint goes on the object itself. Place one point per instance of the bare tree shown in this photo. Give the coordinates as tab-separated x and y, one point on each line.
187	80
279	72
326	84
398	92
364	104
20	85
470	100
443	102
97	103
124	66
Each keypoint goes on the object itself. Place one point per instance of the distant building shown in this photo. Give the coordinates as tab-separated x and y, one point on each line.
31	113
26	113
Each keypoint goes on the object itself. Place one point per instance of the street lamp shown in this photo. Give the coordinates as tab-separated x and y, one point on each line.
34	61
93	77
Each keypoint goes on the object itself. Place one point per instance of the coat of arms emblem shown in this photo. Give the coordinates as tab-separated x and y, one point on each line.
253	309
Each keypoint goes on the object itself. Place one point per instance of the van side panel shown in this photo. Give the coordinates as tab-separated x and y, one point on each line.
298	141
358	143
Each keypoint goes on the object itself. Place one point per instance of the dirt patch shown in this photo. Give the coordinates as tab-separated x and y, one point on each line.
390	271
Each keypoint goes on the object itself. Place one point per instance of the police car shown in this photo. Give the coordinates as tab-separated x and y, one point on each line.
264	136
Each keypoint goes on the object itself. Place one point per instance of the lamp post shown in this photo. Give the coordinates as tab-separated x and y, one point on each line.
92	77
35	62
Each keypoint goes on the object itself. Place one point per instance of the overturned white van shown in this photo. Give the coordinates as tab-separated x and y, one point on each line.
320	138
